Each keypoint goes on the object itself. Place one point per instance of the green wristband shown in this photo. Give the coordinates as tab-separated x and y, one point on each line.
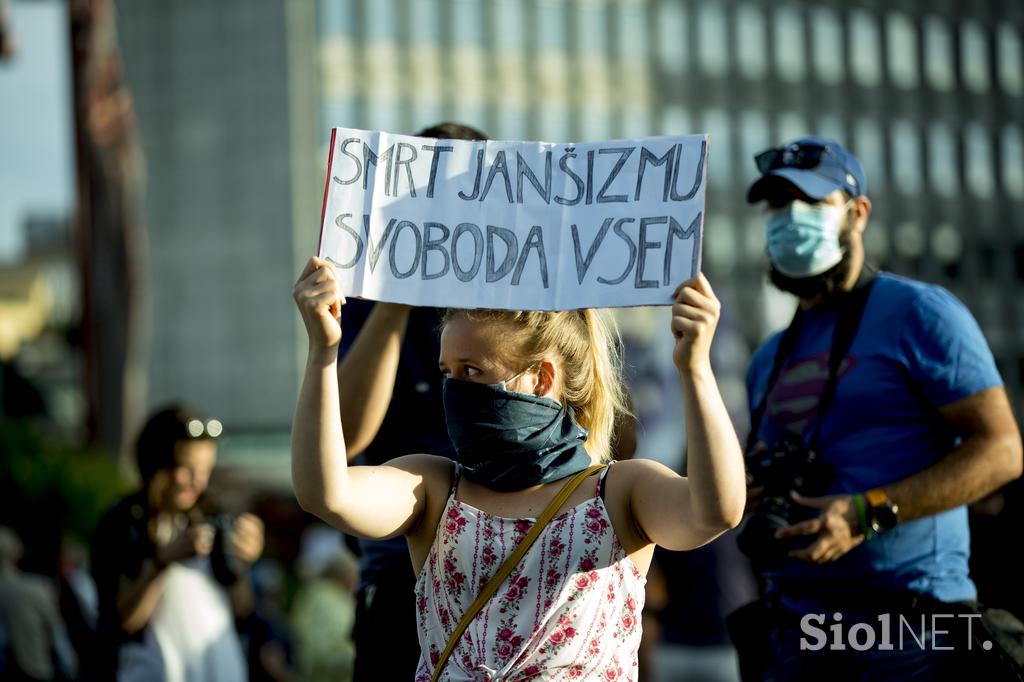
859	503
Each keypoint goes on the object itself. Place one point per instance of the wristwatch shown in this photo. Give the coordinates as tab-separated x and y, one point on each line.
882	513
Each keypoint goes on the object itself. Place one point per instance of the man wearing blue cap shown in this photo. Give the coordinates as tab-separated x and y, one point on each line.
877	416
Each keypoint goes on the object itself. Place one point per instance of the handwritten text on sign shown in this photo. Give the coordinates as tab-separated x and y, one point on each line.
520	225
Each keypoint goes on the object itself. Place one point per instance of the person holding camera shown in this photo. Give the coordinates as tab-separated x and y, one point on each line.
171	570
876	416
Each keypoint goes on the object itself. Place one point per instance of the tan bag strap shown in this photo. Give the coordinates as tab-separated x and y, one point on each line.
510	563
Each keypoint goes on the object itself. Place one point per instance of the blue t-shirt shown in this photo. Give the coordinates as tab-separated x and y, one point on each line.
917	348
414	422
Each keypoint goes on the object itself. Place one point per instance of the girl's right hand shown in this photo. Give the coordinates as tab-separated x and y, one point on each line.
319	301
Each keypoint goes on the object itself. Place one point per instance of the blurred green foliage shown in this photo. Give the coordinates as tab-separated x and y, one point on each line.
49	490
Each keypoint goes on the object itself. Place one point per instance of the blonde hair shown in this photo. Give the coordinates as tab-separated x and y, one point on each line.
588	345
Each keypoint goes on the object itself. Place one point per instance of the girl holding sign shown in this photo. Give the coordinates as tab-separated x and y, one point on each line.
530	553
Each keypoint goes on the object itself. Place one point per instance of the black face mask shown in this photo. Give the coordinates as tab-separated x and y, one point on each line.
510	441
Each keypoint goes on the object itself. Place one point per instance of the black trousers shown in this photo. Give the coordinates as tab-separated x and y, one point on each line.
385	631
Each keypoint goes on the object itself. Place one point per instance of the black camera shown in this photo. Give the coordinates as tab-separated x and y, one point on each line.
790	465
226	566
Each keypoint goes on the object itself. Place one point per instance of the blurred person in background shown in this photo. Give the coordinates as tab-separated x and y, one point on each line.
33	641
78	606
266	634
324	615
881	408
8	44
172	570
390	388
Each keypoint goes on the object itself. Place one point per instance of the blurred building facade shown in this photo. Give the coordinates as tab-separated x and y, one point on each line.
930	95
236	100
212	95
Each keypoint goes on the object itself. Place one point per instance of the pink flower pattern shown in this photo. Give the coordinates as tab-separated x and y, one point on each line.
570	611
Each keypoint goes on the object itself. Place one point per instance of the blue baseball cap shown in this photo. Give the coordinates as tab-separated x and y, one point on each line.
817	166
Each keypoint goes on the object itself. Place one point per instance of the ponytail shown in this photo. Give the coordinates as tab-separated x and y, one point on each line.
607	394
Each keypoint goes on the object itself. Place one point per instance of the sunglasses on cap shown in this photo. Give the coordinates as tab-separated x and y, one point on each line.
802	157
210	428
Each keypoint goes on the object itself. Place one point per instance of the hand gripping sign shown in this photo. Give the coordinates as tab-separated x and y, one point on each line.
514	225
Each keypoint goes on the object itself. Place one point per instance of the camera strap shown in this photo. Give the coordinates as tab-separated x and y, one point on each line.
851	307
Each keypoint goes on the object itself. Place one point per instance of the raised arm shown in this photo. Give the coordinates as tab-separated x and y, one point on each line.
370	502
679	512
366	375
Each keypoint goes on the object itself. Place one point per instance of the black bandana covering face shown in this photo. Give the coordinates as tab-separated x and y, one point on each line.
510	441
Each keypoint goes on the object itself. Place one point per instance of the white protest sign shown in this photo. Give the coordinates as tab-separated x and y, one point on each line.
514	225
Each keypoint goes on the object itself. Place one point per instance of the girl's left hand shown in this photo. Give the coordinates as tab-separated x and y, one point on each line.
695	316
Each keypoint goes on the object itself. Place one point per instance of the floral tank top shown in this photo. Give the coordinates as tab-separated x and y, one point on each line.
569	611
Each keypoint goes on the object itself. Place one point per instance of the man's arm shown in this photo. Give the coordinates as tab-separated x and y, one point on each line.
988	457
366	375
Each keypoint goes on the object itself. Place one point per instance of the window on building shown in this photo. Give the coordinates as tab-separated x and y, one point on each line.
754	138
512	123
551	25
752	240
827	39
720	242
592	27
1011	59
469	22
979	167
751	46
865	49
382	20
717	123
942	165
909	240
675	120
425	21
938	54
508	28
636	120
427	107
946	244
1012	155
791	125
901	48
631	27
869	147
554	122
335	19
830	126
596	123
790	55
712	41
905	147
384	110
337	111
672	36
974	56
876	240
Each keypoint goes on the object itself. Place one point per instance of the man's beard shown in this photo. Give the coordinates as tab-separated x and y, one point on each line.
825	284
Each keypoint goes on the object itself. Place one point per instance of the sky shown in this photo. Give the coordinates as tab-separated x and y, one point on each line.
36	135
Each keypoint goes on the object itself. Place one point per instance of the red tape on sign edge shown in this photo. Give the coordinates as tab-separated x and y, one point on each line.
327	185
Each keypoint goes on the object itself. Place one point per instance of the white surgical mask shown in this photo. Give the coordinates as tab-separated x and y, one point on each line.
803	238
503	385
